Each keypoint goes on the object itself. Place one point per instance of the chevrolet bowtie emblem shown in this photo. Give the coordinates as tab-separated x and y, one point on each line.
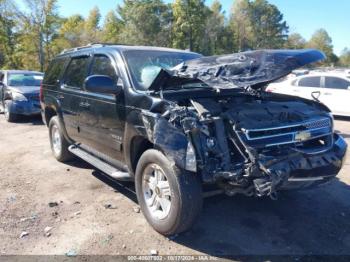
302	136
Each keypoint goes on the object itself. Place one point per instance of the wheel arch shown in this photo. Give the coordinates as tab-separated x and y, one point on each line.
138	145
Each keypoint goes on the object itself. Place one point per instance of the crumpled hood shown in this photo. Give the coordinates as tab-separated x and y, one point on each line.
25	89
252	68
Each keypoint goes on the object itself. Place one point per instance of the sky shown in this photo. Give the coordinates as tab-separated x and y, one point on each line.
302	16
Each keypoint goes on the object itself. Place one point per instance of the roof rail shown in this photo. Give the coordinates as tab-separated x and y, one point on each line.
86	46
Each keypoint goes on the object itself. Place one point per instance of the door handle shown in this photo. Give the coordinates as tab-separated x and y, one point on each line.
316	95
84	104
327	94
296	90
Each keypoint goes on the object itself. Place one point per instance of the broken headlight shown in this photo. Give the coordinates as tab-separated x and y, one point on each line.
191	160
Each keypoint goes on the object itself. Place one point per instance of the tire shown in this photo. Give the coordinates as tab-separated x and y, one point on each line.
1	108
10	117
185	194
59	144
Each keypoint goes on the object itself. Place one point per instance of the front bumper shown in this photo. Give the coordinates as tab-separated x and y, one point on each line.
299	171
27	108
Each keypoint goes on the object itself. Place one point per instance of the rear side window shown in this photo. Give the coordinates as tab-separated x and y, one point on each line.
76	72
314	81
336	83
102	66
55	71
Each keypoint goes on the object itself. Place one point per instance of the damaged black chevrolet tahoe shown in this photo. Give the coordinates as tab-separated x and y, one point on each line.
173	121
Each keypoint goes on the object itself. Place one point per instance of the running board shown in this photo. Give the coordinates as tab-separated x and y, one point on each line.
99	164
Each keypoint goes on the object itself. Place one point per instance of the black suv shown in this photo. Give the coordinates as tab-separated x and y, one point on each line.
172	121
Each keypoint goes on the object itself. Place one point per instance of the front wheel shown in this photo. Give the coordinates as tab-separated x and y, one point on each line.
169	198
10	117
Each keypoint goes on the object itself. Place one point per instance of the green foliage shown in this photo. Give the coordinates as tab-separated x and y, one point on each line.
322	41
218	35
38	29
145	22
30	39
71	32
112	27
241	25
295	41
189	24
344	59
8	35
258	24
91	28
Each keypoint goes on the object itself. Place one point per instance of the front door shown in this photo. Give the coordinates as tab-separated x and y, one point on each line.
309	87
102	119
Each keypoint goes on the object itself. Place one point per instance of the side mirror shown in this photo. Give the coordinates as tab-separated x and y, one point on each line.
102	84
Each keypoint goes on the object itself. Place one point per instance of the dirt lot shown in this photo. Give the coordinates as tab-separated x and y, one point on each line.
299	223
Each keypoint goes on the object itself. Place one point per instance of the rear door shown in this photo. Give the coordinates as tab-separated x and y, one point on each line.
336	95
71	94
308	87
102	119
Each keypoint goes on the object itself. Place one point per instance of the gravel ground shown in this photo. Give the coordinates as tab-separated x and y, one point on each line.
299	223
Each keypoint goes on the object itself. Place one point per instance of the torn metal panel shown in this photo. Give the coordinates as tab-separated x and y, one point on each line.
171	140
252	68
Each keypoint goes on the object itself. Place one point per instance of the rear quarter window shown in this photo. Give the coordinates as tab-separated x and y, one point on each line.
55	71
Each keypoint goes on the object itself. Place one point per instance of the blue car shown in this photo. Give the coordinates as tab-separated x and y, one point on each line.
19	93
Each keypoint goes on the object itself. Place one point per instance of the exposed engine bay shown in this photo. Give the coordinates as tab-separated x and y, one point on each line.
258	145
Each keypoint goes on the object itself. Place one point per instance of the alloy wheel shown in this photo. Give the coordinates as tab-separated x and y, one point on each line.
156	191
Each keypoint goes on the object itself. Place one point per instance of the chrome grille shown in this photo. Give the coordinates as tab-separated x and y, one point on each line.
289	134
318	124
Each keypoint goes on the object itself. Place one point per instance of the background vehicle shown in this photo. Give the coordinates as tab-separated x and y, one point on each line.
332	89
172	120
19	93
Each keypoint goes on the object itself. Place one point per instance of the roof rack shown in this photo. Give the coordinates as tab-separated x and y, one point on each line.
86	46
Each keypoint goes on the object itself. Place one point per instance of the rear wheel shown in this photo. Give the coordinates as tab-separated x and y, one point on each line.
59	144
169	198
10	117
1	108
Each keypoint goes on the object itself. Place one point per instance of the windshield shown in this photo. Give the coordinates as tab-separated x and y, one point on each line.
25	79
144	65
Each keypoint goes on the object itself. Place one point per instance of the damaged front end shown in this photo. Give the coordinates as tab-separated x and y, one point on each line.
252	143
254	147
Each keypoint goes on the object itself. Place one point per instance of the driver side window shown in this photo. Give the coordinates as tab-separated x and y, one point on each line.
102	66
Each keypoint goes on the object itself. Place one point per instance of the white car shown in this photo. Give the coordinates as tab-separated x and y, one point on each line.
333	90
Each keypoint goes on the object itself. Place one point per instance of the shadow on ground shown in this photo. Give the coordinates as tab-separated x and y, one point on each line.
299	223
312	222
34	120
